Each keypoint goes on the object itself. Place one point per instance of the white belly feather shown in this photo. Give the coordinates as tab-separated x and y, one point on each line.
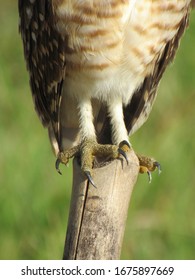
113	48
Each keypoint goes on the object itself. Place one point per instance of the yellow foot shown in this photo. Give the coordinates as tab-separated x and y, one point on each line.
88	150
147	165
63	157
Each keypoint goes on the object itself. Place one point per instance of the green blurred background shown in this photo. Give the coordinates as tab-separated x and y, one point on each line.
34	199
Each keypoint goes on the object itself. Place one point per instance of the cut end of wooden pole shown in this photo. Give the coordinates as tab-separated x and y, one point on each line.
97	216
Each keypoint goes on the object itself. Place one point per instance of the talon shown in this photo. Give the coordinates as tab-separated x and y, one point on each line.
158	166
123	153
88	174
149	176
57	164
124	147
148	165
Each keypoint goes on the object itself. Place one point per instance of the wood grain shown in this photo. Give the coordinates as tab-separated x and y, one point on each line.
97	216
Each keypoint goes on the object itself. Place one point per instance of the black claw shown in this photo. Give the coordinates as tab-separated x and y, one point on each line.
157	164
121	152
149	176
57	164
123	143
88	174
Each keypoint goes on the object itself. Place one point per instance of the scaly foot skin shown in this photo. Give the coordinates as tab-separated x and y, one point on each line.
63	157
147	165
89	149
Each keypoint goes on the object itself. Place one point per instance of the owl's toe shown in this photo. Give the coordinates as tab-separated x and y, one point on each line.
148	165
124	147
64	157
88	150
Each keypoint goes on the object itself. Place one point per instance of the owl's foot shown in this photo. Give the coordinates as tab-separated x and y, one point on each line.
147	165
88	150
64	157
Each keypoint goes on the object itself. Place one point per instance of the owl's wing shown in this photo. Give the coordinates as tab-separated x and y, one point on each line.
137	111
45	56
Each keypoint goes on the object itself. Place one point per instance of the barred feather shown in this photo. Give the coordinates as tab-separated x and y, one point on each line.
87	58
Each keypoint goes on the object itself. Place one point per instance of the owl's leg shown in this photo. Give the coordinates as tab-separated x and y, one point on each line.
88	149
119	132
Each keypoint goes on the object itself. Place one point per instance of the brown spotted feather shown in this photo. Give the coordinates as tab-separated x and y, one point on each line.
44	53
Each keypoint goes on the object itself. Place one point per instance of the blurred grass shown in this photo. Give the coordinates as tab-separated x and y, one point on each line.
34	199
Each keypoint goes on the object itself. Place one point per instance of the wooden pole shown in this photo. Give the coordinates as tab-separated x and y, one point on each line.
97	216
